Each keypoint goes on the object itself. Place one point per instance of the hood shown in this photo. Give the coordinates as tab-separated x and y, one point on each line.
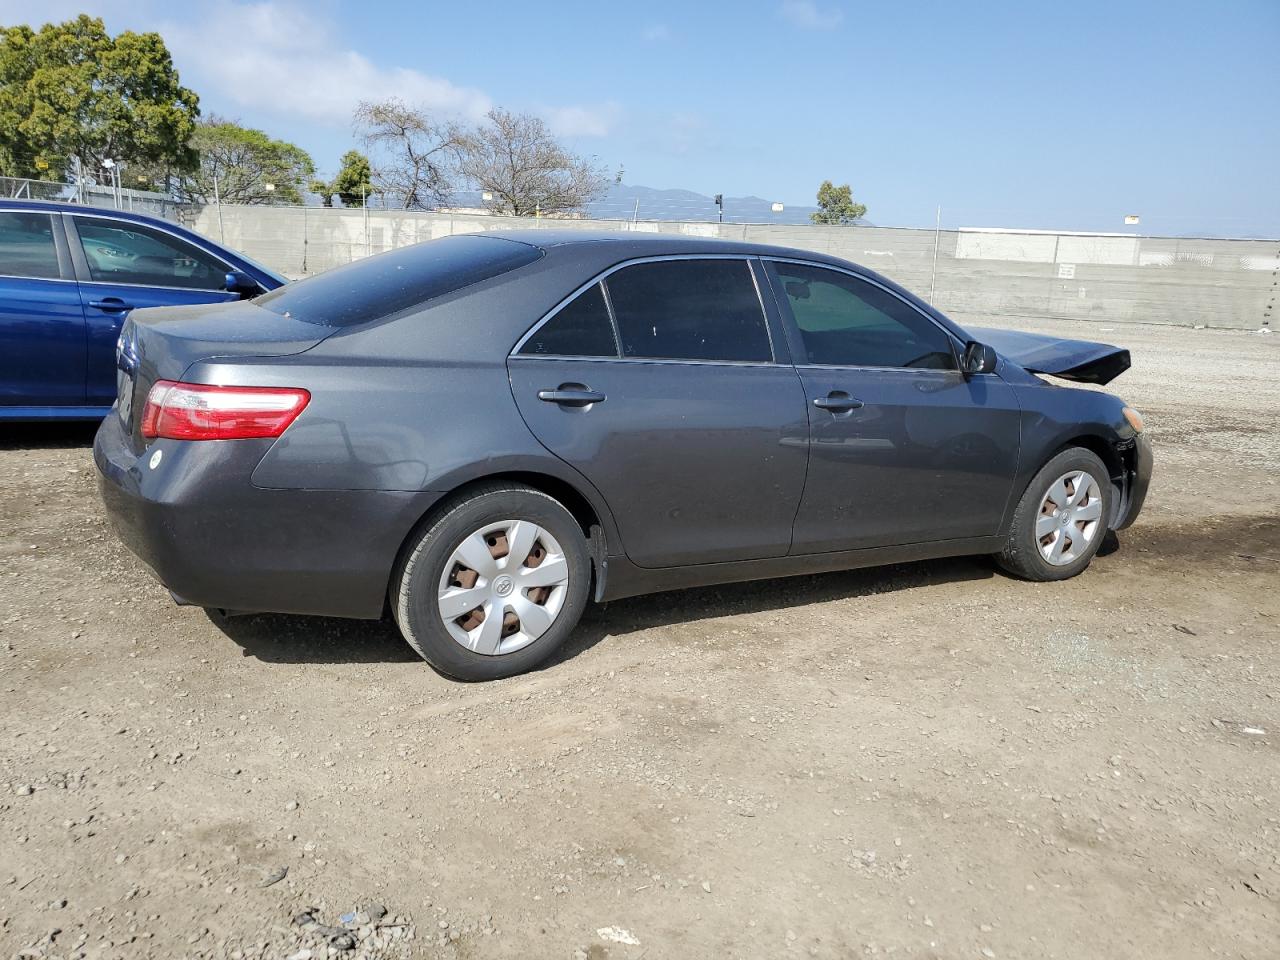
1081	360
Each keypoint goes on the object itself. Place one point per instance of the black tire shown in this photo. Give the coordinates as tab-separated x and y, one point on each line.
416	579
1021	555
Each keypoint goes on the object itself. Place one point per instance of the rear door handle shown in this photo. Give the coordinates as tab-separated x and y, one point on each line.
837	401
111	305
571	395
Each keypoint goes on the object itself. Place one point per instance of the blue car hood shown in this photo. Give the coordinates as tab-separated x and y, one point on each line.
1081	360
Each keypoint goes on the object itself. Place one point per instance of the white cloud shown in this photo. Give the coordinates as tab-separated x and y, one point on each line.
281	58
289	58
582	121
809	16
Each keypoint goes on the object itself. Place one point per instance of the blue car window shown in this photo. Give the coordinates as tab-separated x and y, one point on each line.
26	246
848	322
119	252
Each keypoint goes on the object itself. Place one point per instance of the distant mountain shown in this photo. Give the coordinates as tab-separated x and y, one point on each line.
627	202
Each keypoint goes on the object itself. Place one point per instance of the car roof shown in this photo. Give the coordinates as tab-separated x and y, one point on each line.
62	206
626	244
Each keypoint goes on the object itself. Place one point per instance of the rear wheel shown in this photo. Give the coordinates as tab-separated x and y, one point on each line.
1061	520
494	585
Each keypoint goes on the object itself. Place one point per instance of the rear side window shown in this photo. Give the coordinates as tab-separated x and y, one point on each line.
582	328
689	310
390	282
26	246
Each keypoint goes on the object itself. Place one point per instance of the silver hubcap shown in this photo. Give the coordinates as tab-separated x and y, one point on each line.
1070	517
503	587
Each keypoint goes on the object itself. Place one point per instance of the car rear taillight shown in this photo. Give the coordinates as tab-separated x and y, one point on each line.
199	411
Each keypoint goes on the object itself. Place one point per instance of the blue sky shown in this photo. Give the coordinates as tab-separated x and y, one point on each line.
1030	114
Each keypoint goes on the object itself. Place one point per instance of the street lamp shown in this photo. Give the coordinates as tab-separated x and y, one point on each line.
113	168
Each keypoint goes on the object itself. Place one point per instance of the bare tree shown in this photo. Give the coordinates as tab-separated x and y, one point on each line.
411	153
518	161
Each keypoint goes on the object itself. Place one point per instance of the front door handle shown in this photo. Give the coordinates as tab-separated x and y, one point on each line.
837	401
111	305
571	395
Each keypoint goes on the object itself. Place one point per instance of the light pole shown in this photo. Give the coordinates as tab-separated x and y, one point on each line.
113	168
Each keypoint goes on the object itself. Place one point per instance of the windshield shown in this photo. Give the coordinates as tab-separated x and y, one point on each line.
390	282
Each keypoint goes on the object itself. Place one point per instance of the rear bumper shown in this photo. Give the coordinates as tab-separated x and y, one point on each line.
215	540
1139	462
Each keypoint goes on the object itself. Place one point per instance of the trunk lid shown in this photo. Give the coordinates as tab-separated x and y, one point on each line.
1081	360
163	342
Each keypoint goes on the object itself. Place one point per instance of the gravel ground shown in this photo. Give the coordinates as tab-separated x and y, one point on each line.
930	760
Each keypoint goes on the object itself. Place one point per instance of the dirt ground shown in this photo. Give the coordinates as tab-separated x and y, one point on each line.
929	760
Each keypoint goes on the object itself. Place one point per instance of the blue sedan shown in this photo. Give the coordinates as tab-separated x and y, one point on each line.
70	275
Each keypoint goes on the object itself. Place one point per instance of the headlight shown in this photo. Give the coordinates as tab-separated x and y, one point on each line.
1134	418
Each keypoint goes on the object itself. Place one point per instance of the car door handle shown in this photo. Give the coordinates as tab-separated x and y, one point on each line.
571	395
838	402
111	305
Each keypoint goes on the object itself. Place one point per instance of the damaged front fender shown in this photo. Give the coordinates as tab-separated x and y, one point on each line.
1080	360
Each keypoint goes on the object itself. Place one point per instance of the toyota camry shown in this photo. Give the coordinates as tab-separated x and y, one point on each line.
479	435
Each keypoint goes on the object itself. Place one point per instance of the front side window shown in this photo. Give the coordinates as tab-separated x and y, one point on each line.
847	322
581	328
689	310
120	252
26	246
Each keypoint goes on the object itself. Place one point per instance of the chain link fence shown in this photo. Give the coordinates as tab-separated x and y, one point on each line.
95	195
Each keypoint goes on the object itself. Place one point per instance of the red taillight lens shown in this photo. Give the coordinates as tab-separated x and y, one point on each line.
198	411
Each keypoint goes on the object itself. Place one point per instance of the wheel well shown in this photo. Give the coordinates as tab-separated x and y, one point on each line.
561	490
1103	450
1114	463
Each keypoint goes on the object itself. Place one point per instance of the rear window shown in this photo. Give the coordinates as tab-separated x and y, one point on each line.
390	282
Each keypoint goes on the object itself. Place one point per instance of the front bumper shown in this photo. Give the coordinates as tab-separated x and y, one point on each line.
1138	465
191	513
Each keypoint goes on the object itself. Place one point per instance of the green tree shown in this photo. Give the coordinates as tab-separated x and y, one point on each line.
71	91
237	163
352	185
835	205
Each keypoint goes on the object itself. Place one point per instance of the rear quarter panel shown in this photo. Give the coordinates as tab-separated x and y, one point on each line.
419	402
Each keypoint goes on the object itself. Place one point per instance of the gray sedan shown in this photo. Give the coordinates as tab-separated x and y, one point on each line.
480	434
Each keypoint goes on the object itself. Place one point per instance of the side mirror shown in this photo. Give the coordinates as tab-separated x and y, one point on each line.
978	358
241	283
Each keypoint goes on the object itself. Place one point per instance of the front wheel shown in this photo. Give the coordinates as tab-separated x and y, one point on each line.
1061	520
495	585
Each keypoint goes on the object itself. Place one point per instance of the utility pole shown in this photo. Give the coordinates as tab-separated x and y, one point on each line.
217	202
937	232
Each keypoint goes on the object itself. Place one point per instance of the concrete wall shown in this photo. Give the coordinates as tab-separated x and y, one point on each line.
980	273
